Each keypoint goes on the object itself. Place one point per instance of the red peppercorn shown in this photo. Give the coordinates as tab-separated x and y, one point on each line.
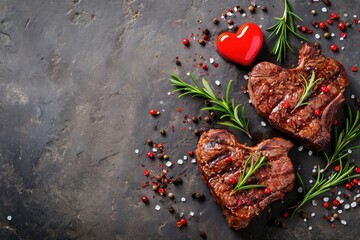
334	16
335	122
348	186
332	225
317	113
186	42
357	169
324	89
322	25
204	66
248	202
346	196
309	31
191	153
354	68
356	20
355	181
329	21
314	24
333	48
341	26
286	104
232	181
285	214
150	155
303	29
161	191
230	10
326	205
153	112
228	159
146	172
336	202
343	35
145	199
337	168
267	191
183	221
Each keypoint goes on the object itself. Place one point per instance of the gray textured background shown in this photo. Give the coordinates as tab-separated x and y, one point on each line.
77	79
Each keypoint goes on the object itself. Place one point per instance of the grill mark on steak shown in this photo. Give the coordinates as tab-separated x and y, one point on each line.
270	86
278	174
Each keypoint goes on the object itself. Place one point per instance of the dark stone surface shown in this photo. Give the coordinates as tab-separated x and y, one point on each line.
77	81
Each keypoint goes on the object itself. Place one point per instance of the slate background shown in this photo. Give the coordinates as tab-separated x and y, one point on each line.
77	79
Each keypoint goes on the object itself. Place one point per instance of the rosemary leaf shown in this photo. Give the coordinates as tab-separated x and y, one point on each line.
228	110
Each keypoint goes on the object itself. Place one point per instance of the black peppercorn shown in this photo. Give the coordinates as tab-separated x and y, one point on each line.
348	24
327	2
230	22
264	8
201	41
203	235
235	28
240	9
178	63
165	157
194	119
212	114
215	20
162	132
196	132
298	26
207	119
171	209
206	31
251	8
207	102
149	142
160	156
326	35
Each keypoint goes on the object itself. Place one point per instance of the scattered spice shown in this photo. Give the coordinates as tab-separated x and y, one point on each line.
354	68
150	155
145	199
322	25
341	26
334	47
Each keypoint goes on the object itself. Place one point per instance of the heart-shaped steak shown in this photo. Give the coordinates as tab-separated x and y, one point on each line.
275	91
242	47
221	161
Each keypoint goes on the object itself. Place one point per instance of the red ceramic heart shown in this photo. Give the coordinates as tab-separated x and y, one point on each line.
241	47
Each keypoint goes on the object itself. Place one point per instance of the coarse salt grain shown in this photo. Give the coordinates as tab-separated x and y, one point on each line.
230	14
346	15
246	77
260	26
192	214
332	34
339	193
193	160
243	15
300	148
340	211
230	26
353	204
314	203
305	219
9	218
352	96
355	16
312	214
249	101
349	151
310	228
211	60
263	123
347	206
341	201
157	207
137	151
324	9
217	82
222	17
317	36
325	199
310	153
168	164
154	149
235	9
180	162
311	181
343	222
300	189
332	219
185	157
342	48
183	199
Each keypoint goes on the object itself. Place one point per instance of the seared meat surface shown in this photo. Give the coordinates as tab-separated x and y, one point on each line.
220	157
274	91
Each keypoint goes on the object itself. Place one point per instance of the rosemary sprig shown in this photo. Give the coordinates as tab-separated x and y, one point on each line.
247	173
226	106
282	28
324	184
340	155
344	138
307	90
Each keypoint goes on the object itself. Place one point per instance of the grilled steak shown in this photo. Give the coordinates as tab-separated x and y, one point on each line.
213	152
274	91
